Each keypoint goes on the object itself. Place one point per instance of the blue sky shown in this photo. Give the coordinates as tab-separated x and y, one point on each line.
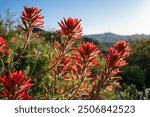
98	16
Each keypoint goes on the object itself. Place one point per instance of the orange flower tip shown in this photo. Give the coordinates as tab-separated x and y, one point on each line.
60	91
88	51
73	68
56	45
70	27
31	18
66	79
52	63
117	84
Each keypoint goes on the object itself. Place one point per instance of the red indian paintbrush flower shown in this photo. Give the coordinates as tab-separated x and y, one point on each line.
15	86
2	45
115	57
85	58
70	27
64	65
123	48
31	17
88	52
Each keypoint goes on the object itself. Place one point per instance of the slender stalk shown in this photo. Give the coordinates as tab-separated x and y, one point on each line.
82	79
101	83
29	32
33	67
27	39
76	90
62	54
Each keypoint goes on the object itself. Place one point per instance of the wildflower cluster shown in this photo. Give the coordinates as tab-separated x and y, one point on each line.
115	59
15	86
70	71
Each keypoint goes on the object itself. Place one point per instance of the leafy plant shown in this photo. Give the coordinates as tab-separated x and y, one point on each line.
61	70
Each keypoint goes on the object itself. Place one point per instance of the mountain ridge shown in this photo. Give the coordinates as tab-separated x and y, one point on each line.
109	37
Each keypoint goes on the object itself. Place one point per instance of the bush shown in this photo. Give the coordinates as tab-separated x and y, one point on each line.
133	74
137	71
131	93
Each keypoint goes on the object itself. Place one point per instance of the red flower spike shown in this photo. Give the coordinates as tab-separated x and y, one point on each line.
31	18
115	59
121	46
3	44
70	27
89	53
15	86
116	55
112	57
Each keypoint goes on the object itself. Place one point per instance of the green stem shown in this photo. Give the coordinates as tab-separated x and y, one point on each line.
33	68
22	51
2	69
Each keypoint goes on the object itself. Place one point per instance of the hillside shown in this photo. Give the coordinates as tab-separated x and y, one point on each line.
111	37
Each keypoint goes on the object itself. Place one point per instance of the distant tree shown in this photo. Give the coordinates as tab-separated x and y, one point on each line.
9	20
138	70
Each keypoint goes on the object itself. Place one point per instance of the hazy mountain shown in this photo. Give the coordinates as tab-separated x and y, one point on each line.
111	37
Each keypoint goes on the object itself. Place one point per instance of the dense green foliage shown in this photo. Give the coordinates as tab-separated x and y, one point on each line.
138	70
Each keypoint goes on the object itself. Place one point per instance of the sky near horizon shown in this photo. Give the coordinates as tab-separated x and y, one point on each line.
98	16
